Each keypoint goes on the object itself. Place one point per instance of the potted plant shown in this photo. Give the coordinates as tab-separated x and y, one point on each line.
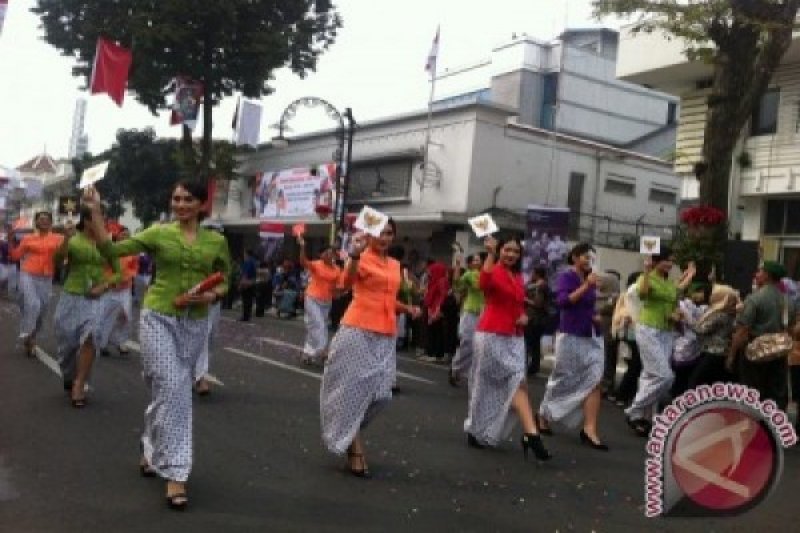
700	238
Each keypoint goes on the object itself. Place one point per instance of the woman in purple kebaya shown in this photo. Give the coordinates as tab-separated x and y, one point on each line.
573	392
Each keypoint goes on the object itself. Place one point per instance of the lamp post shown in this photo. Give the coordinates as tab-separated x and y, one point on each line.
343	154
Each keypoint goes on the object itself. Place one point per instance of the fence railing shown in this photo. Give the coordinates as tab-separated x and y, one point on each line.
615	233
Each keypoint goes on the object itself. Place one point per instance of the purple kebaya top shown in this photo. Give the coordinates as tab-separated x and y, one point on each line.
576	318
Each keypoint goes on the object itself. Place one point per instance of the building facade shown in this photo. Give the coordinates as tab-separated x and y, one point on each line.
481	159
764	196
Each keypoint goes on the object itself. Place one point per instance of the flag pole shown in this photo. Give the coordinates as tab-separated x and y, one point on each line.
433	60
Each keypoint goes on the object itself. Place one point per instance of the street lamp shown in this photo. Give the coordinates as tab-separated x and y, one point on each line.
343	155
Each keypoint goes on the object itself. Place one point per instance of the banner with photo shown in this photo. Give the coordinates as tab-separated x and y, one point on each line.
546	240
186	106
294	192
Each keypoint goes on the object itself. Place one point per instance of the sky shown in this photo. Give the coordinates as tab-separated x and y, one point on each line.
376	67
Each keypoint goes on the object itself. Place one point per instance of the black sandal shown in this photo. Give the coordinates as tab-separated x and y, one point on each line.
79	403
544	429
146	470
177	501
640	426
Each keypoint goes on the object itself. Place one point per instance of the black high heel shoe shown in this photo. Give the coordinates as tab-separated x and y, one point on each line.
362	472
534	442
543	429
640	426
472	442
587	440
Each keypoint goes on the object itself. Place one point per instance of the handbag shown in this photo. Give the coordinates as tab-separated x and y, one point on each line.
771	346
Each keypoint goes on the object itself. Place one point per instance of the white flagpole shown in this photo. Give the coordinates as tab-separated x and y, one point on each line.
433	69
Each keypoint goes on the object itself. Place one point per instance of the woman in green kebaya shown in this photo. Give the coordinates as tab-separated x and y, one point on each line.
173	328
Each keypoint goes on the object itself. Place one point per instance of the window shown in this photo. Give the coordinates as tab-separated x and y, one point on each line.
549	101
775	216
672	111
765	115
660	196
382	180
620	187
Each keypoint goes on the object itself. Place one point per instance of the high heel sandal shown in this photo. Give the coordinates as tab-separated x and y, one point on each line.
177	501
534	442
544	429
640	426
595	445
472	442
362	472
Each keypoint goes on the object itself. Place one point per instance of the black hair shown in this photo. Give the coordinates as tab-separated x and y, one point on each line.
540	271
199	191
632	278
664	255
393	224
516	267
48	214
397	252
483	256
578	250
84	217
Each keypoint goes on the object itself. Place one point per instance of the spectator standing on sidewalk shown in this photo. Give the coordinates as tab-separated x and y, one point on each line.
247	284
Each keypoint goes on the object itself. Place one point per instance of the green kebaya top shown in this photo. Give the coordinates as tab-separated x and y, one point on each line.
85	265
179	265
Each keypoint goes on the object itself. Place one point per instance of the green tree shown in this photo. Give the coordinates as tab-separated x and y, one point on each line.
743	41
230	45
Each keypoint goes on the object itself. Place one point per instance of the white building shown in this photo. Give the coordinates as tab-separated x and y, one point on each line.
765	188
484	160
568	85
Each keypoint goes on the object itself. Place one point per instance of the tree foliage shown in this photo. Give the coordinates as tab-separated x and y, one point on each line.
743	41
230	45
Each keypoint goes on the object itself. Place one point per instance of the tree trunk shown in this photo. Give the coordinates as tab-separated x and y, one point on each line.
189	166
208	105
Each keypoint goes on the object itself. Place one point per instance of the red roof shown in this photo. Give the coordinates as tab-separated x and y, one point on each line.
40	164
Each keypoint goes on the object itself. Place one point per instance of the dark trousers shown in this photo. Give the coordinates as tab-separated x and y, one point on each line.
611	346
794	372
770	379
263	298
683	375
248	294
338	307
436	341
533	346
710	369
630	380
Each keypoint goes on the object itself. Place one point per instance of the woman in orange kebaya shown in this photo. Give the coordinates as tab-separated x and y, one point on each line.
361	366
36	253
324	276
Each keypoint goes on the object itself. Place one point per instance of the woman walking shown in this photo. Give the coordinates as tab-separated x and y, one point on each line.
173	327
623	329
37	267
498	383
468	284
715	331
76	318
574	384
361	365
435	295
655	337
323	277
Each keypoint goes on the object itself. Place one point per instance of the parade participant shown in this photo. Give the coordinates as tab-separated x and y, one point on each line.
714	329
574	383
687	349
77	313
35	253
360	368
766	310
116	325
471	308
623	330
655	336
172	335
497	382
323	278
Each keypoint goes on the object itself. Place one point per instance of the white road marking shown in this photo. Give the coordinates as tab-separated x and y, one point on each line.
133	345
296	348
267	360
47	361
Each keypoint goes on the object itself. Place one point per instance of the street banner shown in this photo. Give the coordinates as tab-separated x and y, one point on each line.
112	64
3	9
546	240
293	192
186	105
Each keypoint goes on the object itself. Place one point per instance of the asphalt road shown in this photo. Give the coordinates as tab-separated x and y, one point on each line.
260	464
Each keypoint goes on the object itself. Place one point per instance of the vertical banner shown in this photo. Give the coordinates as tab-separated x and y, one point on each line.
271	235
546	240
186	107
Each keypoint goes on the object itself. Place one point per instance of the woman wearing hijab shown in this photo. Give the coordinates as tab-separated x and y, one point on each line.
573	388
37	267
655	336
497	382
173	327
361	364
714	329
323	278
76	319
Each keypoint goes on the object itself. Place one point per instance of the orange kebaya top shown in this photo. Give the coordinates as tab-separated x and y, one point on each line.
323	280
128	268
375	286
37	253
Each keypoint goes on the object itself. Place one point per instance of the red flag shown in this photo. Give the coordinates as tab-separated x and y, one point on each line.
110	72
433	55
